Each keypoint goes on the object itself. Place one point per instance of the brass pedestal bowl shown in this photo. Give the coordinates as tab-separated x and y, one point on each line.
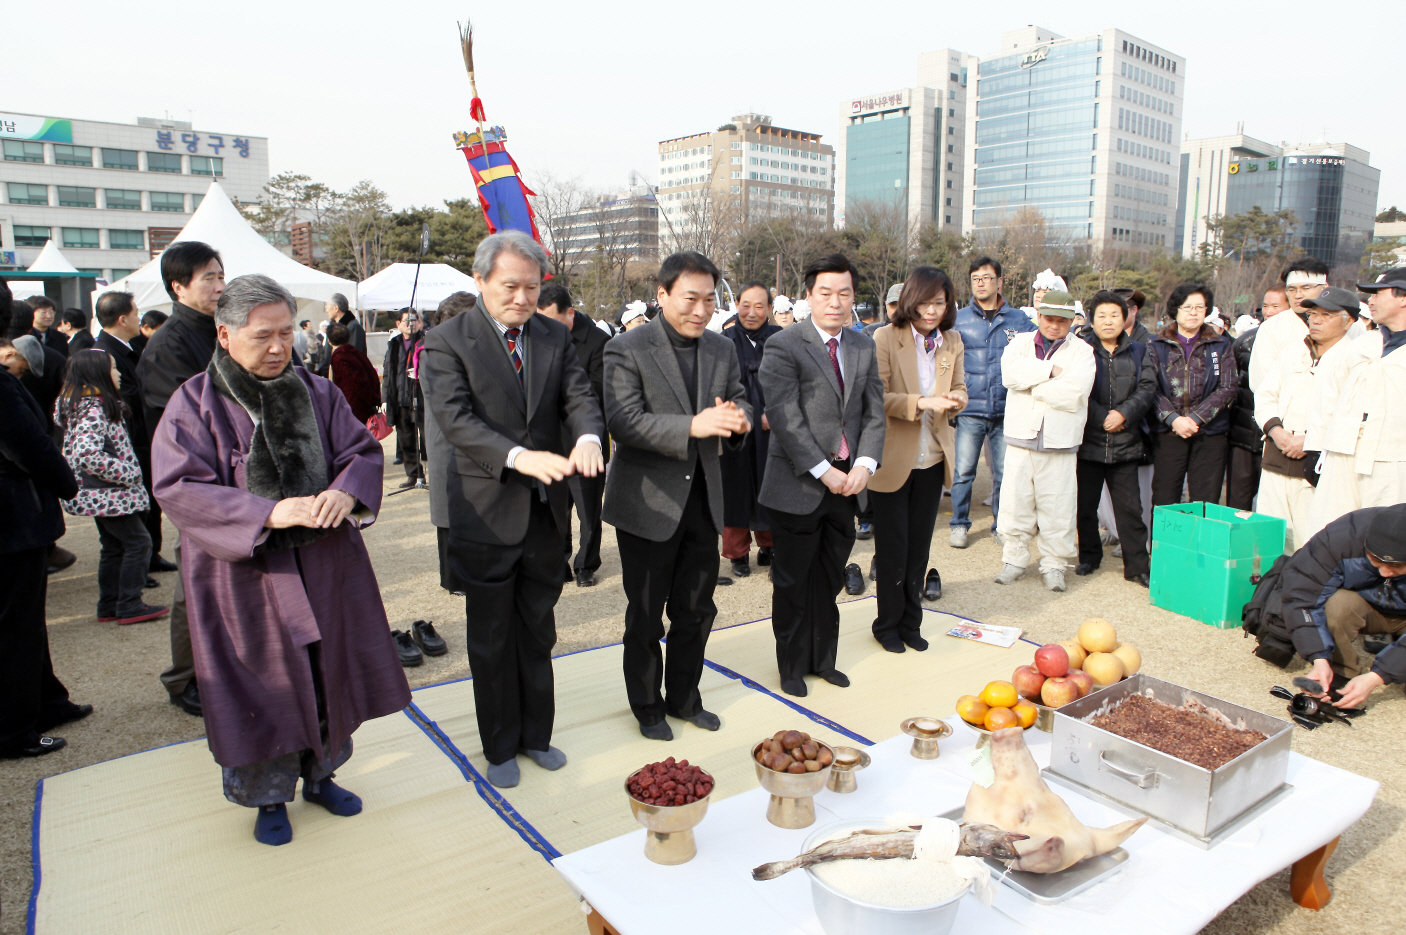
926	732
848	761
792	802
669	839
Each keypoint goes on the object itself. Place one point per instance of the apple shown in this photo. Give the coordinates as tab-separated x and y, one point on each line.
1052	660
1084	680
1058	691
1028	680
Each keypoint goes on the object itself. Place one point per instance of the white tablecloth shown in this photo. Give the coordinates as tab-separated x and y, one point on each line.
1166	886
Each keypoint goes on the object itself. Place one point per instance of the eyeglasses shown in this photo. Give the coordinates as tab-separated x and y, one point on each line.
982	280
1305	290
1192	308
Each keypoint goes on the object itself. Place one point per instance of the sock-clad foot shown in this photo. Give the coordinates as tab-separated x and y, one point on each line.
704	719
835	677
504	775
332	797
272	826
550	758
659	731
917	642
796	687
893	645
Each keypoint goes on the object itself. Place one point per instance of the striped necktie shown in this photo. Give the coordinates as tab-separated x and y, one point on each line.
512	335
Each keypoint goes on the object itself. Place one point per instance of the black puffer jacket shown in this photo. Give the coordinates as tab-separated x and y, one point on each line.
1125	381
1244	432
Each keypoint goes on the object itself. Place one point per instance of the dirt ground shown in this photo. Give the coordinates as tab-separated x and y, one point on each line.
115	669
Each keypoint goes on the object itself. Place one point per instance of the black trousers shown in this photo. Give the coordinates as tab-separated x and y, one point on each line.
586	495
123	561
408	442
1199	461
807	574
510	594
1242	477
1127	514
677	575
29	691
903	525
152	517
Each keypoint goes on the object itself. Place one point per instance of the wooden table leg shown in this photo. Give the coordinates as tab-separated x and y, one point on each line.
596	924
1306	883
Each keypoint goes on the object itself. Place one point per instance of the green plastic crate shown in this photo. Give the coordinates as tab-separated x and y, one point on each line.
1206	558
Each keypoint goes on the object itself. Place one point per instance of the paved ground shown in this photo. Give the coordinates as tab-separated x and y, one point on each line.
115	669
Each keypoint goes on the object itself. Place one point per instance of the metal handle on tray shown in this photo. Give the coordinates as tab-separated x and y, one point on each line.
1146	779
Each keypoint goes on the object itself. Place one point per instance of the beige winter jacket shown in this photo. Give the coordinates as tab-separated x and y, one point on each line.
1036	400
1360	408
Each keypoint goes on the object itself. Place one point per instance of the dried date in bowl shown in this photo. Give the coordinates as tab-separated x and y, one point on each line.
669	783
793	751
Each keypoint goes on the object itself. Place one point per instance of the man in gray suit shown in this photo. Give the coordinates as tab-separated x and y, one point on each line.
500	381
825	404
673	398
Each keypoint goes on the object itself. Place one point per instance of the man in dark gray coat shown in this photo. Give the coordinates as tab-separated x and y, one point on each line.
500	381
673	398
825	404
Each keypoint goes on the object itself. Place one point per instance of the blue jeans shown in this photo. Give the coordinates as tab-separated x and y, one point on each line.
972	433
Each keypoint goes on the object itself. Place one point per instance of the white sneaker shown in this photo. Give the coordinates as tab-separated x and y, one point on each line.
958	537
1054	580
1118	550
1010	574
999	539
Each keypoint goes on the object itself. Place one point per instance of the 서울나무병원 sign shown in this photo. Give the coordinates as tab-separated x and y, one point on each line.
23	127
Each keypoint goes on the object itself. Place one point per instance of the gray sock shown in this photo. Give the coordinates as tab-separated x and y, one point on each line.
550	758
504	775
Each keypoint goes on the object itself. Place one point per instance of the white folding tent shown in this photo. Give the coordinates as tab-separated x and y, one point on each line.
390	289
218	223
50	260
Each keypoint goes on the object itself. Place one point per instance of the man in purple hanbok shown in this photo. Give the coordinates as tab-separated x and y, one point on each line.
270	478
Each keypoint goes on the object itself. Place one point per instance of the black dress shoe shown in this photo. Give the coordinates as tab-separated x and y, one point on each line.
1141	579
864	531
66	714
398	460
38	747
741	568
59	559
796	687
150	583
1084	569
854	579
188	699
764	555
874	568
586	579
932	587
159	564
407	484
724	581
410	655
835	677
916	642
422	631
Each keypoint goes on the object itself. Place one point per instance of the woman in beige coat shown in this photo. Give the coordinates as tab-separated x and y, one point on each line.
920	362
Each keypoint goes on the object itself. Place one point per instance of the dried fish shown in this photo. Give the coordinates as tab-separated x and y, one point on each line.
978	840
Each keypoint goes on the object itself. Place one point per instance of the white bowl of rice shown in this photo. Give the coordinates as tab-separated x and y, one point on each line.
882	897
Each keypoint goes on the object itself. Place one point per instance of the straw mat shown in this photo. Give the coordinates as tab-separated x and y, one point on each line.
147	843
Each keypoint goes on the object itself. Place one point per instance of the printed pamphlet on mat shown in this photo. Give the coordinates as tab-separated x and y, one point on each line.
990	634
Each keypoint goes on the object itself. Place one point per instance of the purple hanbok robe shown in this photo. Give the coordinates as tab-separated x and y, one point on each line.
252	615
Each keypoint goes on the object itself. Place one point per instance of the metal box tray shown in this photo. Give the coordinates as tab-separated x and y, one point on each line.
1197	801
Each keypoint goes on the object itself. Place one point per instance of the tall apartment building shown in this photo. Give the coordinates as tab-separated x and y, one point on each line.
907	147
1331	188
1083	129
712	184
113	195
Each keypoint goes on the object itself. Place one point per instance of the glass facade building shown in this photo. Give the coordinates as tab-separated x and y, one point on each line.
876	158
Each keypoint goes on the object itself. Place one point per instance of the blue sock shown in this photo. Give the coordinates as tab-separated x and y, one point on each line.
332	797
272	826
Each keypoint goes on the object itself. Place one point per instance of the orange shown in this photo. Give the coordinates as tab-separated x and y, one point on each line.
972	709
998	718
1000	694
1025	713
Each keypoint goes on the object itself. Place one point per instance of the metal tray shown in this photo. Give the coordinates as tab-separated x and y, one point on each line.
1047	889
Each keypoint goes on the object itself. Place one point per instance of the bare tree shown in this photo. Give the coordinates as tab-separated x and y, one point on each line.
358	226
557	205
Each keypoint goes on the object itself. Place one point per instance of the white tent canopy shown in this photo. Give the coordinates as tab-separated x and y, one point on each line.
390	289
51	260
218	223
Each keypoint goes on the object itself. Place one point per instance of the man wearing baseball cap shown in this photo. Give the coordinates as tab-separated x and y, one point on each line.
1359	416
1350	580
1047	376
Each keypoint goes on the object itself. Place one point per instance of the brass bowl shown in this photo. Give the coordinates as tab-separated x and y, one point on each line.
926	732
848	761
670	827
792	802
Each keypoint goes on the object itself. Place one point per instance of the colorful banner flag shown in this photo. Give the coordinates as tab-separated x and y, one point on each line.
501	191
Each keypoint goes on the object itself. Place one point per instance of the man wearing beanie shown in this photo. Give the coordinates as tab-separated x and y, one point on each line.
1048	378
1350	580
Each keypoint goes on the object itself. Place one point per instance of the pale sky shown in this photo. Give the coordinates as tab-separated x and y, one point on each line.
357	90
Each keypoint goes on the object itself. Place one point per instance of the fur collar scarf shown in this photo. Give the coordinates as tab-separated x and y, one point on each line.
285	457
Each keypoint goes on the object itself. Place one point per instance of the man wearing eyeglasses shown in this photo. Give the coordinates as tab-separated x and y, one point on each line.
1304	278
987	326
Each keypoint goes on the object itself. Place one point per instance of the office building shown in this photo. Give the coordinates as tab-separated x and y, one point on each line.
1084	130
908	147
1330	187
712	184
625	225
113	195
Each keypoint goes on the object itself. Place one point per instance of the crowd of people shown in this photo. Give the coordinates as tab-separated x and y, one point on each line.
791	427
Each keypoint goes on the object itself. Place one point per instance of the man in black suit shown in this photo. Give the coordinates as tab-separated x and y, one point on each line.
73	325
499	382
673	392
400	391
586	492
825	404
339	310
45	318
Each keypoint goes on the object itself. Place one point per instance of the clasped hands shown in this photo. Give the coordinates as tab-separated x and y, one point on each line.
941	403
1185	426
722	419
1287	442
846	485
324	511
547	466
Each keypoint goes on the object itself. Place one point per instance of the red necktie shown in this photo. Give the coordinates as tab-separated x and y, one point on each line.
834	345
512	335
